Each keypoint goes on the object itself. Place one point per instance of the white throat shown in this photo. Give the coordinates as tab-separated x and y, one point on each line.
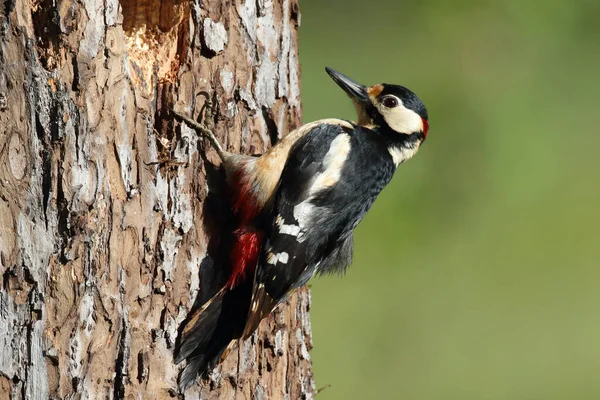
403	153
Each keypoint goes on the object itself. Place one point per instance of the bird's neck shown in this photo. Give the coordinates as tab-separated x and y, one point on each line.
401	146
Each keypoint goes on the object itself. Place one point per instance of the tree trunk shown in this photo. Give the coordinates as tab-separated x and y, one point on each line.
111	217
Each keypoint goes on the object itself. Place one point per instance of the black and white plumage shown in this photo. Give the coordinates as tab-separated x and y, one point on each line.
331	178
302	201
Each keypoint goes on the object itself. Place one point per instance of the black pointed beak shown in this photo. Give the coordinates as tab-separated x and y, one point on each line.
354	89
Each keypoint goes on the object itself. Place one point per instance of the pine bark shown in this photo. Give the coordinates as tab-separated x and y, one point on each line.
112	216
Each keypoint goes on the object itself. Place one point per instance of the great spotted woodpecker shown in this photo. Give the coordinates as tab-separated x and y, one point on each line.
297	206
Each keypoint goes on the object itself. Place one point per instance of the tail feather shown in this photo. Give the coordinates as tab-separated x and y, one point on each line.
208	332
262	305
200	328
190	372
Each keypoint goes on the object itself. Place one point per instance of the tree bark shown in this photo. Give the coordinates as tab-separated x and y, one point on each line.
111	215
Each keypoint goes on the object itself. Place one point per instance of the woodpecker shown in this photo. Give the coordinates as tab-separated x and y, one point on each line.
297	206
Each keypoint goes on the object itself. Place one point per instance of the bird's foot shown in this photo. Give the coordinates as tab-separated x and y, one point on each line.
206	128
167	163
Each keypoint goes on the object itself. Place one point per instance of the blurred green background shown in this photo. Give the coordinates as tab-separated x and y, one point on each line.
476	273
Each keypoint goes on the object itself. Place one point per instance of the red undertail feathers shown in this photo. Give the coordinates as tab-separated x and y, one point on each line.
244	254
245	205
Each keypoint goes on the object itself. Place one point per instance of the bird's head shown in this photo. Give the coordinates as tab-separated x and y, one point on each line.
385	106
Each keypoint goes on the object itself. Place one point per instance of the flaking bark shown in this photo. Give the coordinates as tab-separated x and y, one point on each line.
111	216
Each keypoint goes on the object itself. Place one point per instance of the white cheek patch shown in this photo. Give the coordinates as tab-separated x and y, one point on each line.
401	119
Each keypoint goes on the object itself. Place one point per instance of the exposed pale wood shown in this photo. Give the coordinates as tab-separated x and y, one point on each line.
109	226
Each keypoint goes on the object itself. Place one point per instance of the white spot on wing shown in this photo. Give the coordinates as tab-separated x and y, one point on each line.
283	257
285	229
303	213
293	230
271	259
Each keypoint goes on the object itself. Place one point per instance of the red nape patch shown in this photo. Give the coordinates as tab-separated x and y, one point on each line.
244	254
425	128
243	203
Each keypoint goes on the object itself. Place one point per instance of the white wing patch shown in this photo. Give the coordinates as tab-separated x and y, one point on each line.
283	257
303	211
273	259
262	174
286	229
333	163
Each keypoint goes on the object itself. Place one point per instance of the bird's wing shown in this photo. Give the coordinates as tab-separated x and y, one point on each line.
290	255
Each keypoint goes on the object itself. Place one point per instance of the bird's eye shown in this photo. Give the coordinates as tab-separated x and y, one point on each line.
390	102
